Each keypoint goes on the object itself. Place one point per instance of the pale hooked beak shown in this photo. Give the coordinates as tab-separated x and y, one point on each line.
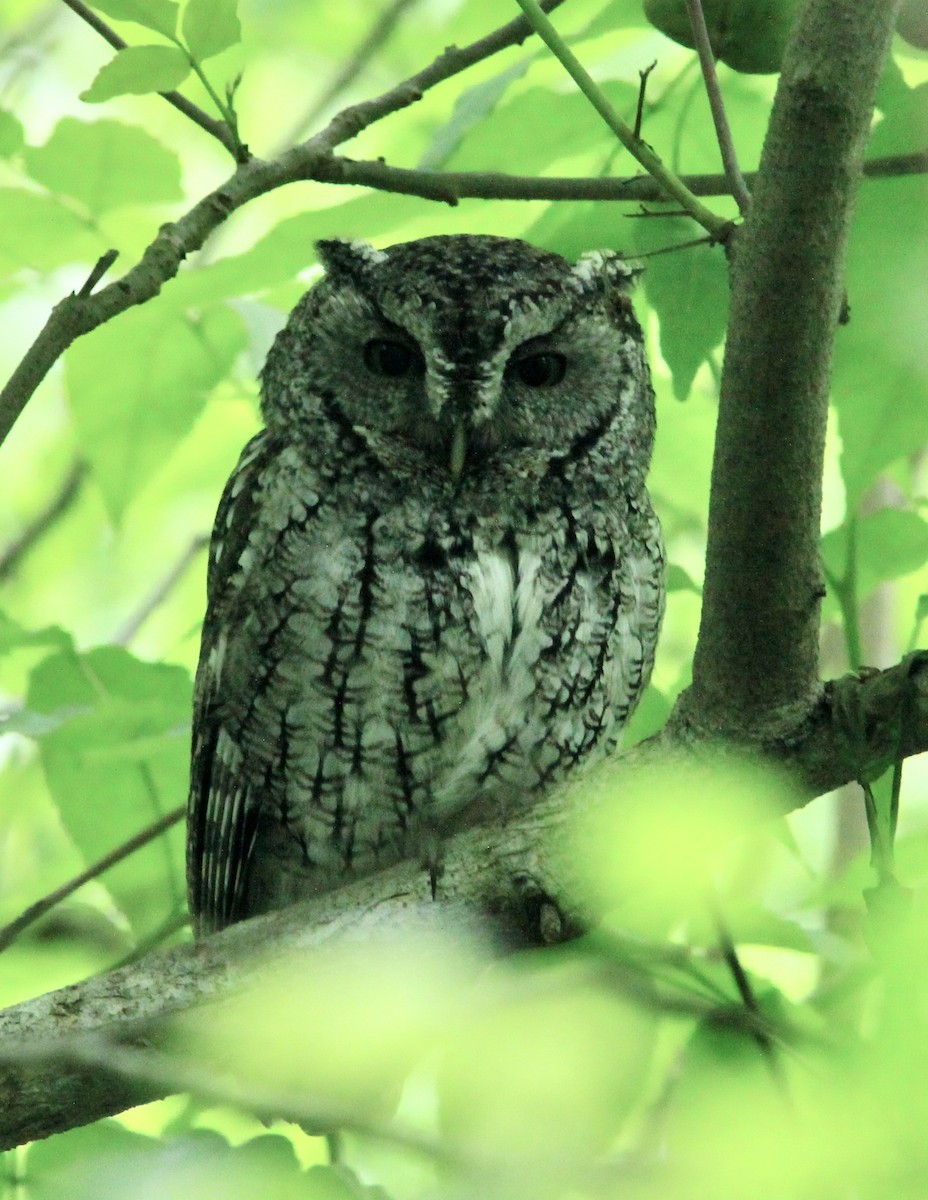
458	452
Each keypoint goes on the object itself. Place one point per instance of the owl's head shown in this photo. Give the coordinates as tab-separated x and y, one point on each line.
464	352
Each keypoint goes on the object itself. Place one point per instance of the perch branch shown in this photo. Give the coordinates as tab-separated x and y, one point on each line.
503	872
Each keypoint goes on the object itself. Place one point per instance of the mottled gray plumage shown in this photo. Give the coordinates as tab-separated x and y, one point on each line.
436	579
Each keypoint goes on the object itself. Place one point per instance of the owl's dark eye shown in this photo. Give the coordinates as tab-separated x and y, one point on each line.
540	370
384	357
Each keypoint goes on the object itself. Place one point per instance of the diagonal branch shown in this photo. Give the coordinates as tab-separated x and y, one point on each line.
38	910
77	315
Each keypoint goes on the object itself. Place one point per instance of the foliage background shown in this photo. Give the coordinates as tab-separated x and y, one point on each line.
136	434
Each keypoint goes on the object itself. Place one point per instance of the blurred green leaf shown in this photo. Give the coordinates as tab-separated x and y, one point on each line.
679	580
881	356
13	636
107	1162
210	26
138	70
890	543
11	134
38	231
137	384
159	15
503	141
105	164
114	702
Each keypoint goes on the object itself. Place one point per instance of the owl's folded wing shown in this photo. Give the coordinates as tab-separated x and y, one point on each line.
223	806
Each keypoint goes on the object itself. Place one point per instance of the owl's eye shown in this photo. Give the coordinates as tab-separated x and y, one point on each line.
384	357
540	370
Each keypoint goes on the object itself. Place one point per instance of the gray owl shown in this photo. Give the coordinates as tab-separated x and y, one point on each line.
435	579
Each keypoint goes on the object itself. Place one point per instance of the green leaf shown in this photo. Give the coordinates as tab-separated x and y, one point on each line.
880	377
11	134
679	580
506	141
159	15
39	232
210	26
137	384
112	701
137	70
688	289
105	164
13	636
890	543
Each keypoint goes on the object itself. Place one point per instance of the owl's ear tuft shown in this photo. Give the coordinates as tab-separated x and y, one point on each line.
604	270
348	259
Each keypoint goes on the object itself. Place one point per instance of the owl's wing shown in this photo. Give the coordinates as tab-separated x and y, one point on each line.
222	813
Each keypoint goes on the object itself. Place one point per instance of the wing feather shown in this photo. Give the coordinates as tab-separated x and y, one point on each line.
223	808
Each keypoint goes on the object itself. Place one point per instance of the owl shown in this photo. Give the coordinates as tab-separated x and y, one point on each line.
435	579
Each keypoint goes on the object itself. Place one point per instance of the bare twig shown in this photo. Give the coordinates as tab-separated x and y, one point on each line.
642	88
102	265
217	129
11	557
162	590
717	105
32	914
671	183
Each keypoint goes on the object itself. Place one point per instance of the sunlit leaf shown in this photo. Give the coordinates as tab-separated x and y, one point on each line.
159	15
40	232
11	134
210	26
137	70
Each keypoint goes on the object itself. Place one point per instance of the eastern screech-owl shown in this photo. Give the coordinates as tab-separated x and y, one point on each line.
435	579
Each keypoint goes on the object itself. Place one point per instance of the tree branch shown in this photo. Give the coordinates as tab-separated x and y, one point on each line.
756	659
510	874
77	315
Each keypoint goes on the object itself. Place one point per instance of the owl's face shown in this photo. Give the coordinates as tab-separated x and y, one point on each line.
457	354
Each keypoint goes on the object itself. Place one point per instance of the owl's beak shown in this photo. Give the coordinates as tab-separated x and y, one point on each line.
458	451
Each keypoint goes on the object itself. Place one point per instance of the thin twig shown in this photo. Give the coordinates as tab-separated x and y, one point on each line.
671	183
32	914
162	590
11	557
102	265
717	105
642	88
758	1023
217	129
